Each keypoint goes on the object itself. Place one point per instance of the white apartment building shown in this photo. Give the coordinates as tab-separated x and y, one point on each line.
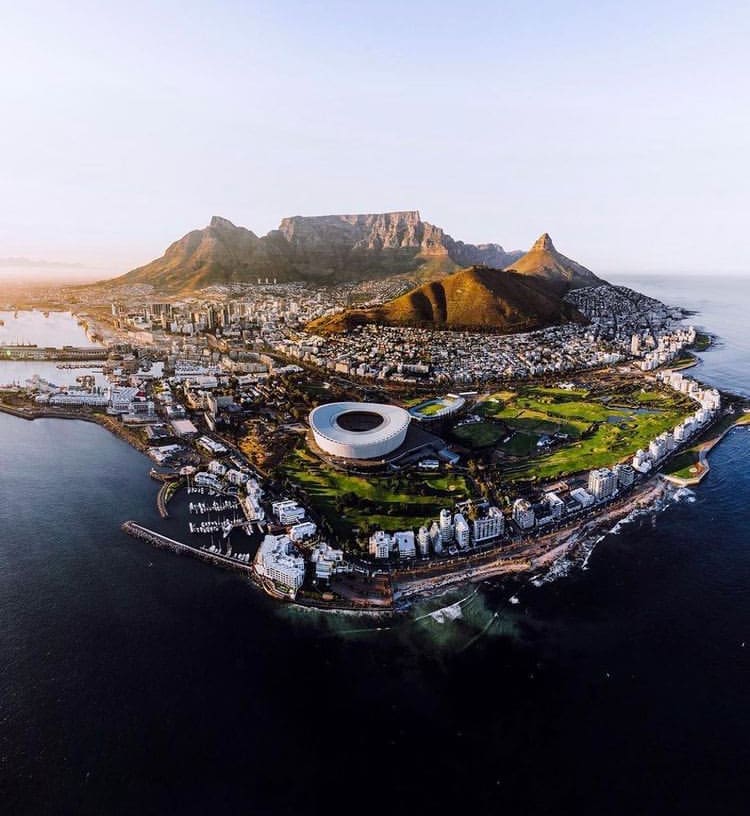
523	514
299	532
423	541
380	544
446	527
277	560
492	526
217	468
461	531
602	483
207	480
288	511
555	504
642	461
327	560
404	543
436	539
625	474
582	497
211	446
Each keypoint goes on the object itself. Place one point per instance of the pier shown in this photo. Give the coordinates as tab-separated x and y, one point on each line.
162	542
166	491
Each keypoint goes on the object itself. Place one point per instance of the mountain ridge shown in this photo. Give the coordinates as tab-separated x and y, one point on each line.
324	248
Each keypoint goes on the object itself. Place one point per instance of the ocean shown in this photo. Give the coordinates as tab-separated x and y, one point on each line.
135	681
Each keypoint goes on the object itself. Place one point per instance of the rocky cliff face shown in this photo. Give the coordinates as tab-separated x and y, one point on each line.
327	248
389	231
374	231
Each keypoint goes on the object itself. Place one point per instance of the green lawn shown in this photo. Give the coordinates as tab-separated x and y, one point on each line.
555	406
685	360
521	444
601	430
390	503
606	445
432	408
685	465
479	434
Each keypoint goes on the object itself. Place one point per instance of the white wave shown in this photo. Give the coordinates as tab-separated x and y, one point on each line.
447	613
558	569
514	599
632	516
587	548
684	494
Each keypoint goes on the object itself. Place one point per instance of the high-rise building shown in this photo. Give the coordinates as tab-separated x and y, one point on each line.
489	527
523	514
625	474
423	541
446	527
380	544
404	543
554	504
435	539
602	483
461	530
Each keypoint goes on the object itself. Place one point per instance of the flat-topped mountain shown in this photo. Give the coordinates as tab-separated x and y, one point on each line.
327	249
475	298
544	261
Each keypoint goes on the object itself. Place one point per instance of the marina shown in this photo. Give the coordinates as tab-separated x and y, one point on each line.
211	555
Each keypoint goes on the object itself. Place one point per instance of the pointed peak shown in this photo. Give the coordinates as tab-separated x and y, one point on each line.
544	242
218	221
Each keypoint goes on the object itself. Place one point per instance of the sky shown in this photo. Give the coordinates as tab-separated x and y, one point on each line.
622	129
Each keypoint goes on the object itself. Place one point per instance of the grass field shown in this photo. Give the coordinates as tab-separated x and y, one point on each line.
428	408
431	408
479	434
388	503
685	465
601	431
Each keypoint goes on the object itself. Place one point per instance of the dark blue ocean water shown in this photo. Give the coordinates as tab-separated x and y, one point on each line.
133	681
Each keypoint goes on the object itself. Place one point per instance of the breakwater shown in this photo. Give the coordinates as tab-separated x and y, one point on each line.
65	354
43	413
162	542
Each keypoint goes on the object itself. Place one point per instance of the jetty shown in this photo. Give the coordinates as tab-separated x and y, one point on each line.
162	542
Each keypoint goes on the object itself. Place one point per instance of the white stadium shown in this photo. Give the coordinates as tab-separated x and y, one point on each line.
359	430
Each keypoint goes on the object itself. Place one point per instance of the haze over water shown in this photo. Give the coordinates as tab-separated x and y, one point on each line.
55	329
134	681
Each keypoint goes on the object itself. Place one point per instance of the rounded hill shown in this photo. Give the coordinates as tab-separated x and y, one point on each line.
475	298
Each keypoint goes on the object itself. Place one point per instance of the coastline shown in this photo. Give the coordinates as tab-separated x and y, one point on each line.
103	420
412	583
704	449
545	551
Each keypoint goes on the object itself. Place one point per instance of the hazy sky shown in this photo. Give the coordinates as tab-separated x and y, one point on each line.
622	129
